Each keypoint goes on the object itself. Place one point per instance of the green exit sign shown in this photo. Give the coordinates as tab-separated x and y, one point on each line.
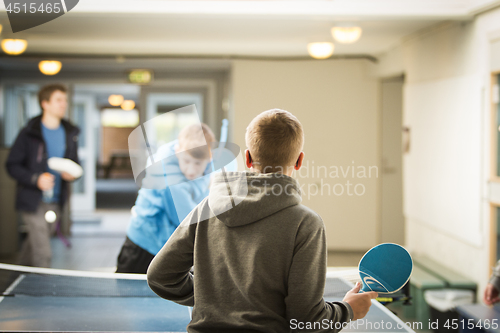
140	76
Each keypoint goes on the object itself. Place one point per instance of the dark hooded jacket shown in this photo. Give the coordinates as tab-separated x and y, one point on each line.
259	259
28	159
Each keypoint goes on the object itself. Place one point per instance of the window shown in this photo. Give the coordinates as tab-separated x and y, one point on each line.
20	103
119	118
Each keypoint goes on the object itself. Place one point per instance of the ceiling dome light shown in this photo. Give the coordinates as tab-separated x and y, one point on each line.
320	50
346	35
14	46
128	105
115	100
49	67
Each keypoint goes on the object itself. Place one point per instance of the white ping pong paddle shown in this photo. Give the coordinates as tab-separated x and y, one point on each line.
65	165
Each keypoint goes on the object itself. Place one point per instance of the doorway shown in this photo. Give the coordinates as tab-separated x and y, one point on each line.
392	219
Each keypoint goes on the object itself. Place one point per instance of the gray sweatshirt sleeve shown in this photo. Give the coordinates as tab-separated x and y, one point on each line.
495	277
169	273
306	281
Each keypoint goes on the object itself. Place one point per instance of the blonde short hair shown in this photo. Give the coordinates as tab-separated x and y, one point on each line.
275	139
196	140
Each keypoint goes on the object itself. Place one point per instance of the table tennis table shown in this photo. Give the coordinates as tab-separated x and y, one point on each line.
72	303
479	318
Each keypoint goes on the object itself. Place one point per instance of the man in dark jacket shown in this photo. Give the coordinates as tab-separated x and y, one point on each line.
40	190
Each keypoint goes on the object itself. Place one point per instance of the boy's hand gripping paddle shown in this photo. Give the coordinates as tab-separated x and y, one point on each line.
385	268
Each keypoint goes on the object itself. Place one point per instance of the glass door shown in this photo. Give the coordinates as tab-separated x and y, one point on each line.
83	196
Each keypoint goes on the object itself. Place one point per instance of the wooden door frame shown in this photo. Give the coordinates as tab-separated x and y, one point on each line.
494	178
494	130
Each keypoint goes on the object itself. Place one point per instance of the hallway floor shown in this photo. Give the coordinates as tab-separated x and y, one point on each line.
96	241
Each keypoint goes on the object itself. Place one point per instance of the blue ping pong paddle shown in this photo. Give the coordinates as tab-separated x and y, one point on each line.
385	268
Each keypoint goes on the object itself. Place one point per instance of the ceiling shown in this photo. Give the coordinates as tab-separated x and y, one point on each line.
233	28
119	64
153	34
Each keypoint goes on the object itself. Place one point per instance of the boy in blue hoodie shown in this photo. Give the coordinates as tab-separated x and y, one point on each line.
157	212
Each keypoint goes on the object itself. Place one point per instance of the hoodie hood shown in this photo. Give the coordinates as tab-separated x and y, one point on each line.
241	198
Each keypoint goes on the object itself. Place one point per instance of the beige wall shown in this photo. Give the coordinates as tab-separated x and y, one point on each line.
337	103
446	173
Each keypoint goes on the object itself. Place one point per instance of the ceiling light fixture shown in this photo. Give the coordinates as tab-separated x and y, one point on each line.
320	50
49	67
346	35
14	46
128	105
115	100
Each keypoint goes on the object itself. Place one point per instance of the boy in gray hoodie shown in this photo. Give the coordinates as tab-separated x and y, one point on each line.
259	256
